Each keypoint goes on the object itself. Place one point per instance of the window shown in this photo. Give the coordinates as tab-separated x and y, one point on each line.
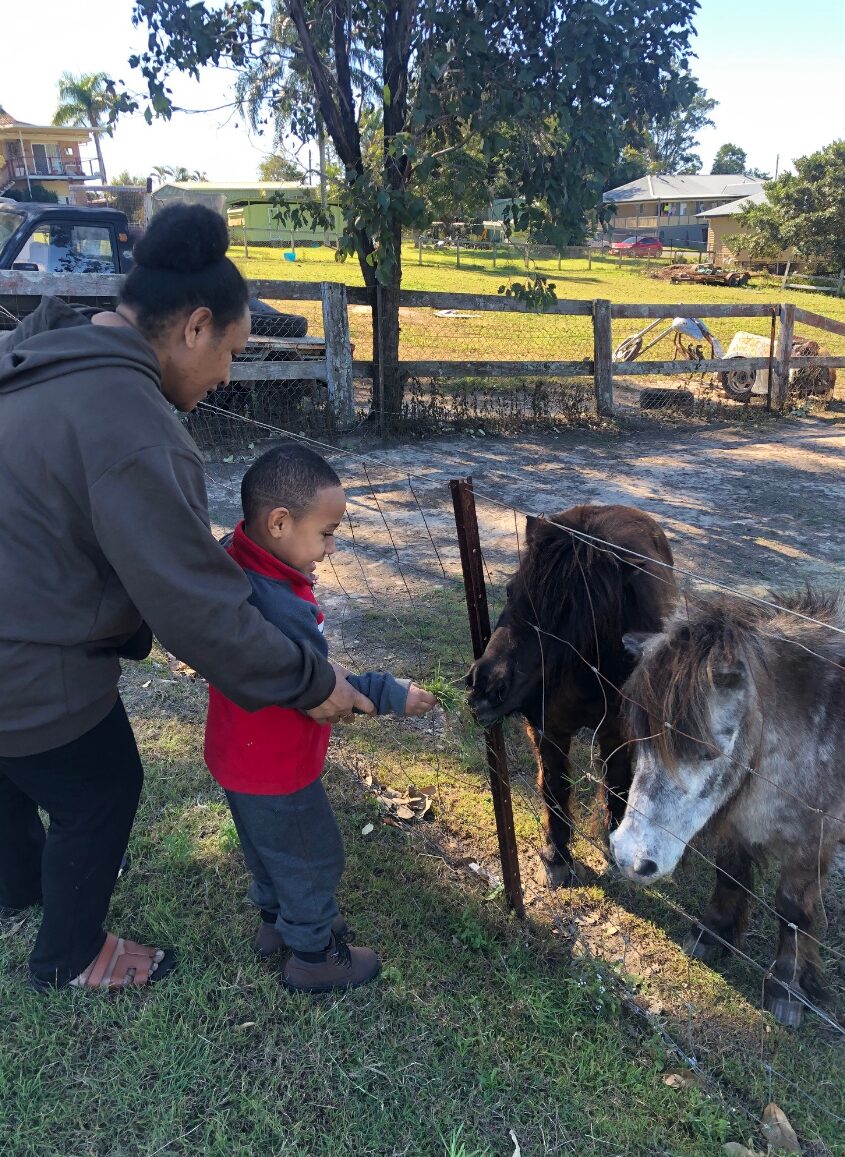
64	248
9	222
683	209
643	210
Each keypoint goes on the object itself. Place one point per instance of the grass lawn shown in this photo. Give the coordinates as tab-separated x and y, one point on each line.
498	336
479	1025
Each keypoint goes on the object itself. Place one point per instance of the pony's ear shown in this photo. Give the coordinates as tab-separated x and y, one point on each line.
634	643
533	524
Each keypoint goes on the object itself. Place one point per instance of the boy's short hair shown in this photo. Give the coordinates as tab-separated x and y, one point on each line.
288	475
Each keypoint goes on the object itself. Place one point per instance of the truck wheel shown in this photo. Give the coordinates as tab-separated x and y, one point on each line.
738	384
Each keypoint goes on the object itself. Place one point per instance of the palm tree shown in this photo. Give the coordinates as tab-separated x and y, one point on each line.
281	79
86	101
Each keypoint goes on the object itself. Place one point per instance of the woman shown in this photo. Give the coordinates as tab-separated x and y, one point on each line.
105	538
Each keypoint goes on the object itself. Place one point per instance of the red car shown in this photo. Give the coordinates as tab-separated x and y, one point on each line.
638	247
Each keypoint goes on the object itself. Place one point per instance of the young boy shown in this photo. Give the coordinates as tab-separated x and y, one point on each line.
269	762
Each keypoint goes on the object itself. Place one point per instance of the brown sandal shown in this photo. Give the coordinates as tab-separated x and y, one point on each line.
120	964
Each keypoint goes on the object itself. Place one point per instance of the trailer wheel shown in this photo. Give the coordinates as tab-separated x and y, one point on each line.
738	384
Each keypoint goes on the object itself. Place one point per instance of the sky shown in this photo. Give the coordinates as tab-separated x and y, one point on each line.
775	67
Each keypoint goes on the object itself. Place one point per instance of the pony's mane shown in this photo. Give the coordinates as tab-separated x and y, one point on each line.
575	590
667	695
669	690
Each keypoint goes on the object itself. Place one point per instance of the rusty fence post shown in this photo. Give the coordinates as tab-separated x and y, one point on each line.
783	356
466	523
602	358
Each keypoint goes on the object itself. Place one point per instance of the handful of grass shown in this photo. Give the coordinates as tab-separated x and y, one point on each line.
447	692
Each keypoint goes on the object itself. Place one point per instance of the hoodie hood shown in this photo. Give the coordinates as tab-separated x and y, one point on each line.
58	339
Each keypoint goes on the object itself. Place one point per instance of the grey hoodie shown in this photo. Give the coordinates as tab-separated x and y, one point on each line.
104	526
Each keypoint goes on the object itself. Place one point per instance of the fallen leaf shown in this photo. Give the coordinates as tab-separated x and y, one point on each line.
405	813
367	828
734	1149
144	686
177	667
681	1079
13	931
778	1131
246	1024
517	1151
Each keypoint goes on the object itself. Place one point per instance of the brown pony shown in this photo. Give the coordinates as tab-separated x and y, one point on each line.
587	576
737	710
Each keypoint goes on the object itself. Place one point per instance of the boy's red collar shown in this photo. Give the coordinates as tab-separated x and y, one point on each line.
249	554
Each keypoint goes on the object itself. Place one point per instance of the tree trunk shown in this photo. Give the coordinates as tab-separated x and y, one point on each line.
321	146
387	378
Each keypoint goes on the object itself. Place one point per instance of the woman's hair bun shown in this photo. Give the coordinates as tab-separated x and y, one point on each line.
183	239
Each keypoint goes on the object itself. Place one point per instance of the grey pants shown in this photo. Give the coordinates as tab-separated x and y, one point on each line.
294	851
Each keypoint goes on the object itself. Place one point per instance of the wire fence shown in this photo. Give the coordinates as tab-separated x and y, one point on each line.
487	364
394	600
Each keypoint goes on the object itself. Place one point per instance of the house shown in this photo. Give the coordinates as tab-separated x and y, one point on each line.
254	207
724	226
43	155
671	206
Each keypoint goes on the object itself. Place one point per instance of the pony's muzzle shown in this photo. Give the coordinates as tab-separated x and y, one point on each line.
488	689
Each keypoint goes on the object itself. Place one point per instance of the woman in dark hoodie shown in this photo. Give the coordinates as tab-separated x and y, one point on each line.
105	541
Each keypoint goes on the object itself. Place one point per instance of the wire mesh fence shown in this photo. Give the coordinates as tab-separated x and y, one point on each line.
393	599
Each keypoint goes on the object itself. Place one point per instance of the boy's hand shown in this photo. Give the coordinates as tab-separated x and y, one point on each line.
419	701
342	701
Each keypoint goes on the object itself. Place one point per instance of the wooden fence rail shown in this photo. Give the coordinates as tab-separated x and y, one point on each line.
337	369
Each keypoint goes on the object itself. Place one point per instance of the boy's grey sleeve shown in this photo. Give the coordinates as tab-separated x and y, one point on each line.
389	695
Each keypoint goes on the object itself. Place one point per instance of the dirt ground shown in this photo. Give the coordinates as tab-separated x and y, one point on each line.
757	507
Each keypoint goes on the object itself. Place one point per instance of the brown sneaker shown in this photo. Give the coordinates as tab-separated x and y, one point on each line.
344	967
269	940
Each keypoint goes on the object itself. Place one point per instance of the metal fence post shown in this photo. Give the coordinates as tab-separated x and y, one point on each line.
338	353
466	523
786	331
602	357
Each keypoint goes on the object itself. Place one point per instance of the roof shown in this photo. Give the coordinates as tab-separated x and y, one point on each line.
734	208
8	121
51	209
677	187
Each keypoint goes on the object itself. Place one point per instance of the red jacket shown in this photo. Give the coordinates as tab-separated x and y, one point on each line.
277	750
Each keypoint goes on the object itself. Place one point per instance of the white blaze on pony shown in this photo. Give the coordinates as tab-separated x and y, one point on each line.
736	715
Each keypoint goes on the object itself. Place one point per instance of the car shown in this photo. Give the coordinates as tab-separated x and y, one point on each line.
638	247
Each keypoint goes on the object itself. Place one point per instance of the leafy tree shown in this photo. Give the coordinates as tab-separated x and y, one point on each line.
547	87
804	210
667	143
729	159
124	177
35	192
673	139
164	173
87	100
279	168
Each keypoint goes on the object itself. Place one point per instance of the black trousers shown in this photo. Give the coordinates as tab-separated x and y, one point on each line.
89	789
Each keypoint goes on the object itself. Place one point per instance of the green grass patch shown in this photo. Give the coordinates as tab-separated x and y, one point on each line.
508	337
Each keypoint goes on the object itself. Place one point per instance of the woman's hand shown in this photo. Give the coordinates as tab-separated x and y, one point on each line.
342	701
419	701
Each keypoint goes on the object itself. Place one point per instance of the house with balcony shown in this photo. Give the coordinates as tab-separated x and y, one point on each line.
43	155
670	206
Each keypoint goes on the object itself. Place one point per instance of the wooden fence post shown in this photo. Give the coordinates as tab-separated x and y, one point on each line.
602	358
786	332
466	524
338	353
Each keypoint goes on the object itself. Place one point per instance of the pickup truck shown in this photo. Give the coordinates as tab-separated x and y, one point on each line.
39	238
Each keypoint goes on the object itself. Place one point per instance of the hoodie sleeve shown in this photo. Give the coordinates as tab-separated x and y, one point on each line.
150	516
388	694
